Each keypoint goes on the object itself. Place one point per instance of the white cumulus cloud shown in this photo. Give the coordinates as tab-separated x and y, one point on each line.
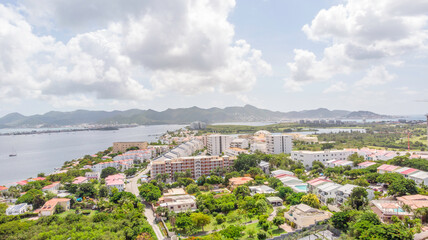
361	34
132	51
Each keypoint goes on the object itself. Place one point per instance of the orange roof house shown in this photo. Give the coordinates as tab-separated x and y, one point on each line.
49	207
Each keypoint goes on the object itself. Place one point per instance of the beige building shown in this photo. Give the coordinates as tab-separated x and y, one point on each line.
198	165
122	146
178	203
303	216
49	207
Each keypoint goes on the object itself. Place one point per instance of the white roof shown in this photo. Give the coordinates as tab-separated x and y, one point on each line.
420	175
347	188
329	186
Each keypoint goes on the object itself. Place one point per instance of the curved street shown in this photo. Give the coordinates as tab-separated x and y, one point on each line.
132	187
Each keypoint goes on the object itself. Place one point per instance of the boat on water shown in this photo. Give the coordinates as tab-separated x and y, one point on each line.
13	155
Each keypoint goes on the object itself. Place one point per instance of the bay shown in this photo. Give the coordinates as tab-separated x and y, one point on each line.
43	152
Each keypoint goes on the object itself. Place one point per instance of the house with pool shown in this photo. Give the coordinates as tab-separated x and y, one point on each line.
385	209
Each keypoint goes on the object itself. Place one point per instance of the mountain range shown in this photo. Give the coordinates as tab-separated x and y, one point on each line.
246	113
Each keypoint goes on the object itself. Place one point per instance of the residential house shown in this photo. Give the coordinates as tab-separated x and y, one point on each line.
262	189
116	181
280	172
385	168
344	192
304	216
312	184
93	175
18	209
80	180
365	164
264	166
419	177
327	190
414	201
48	208
385	209
274	201
53	187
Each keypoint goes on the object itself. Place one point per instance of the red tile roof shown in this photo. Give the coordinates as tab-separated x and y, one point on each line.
49	205
51	185
3	188
22	183
408	171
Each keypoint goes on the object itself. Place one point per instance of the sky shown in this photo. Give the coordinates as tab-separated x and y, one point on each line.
283	55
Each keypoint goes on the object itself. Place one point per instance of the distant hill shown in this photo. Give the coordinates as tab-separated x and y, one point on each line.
246	113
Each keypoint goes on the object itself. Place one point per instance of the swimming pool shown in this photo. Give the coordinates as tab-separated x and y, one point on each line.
302	187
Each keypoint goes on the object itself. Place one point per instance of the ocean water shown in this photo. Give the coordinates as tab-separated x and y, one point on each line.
43	152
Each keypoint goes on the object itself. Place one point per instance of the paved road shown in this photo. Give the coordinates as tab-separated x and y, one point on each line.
132	187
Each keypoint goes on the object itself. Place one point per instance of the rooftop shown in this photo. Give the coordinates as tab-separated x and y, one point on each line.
54	184
49	205
414	201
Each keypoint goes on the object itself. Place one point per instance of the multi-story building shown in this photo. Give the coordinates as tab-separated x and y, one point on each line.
218	144
123	146
276	144
308	157
198	165
178	203
239	143
116	181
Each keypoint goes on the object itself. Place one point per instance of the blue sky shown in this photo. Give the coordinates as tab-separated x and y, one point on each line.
279	55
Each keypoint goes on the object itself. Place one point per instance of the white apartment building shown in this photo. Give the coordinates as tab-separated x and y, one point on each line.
239	143
178	203
276	144
308	157
218	144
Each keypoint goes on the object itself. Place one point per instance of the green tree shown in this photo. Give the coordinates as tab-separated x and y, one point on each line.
311	200
130	172
108	171
340	220
200	219
192	188
402	186
220	218
242	191
278	221
34	197
232	232
183	222
245	161
86	190
261	235
284	192
254	171
149	192
103	191
358	198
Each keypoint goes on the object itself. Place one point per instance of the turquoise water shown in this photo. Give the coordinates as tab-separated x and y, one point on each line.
400	210
302	187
